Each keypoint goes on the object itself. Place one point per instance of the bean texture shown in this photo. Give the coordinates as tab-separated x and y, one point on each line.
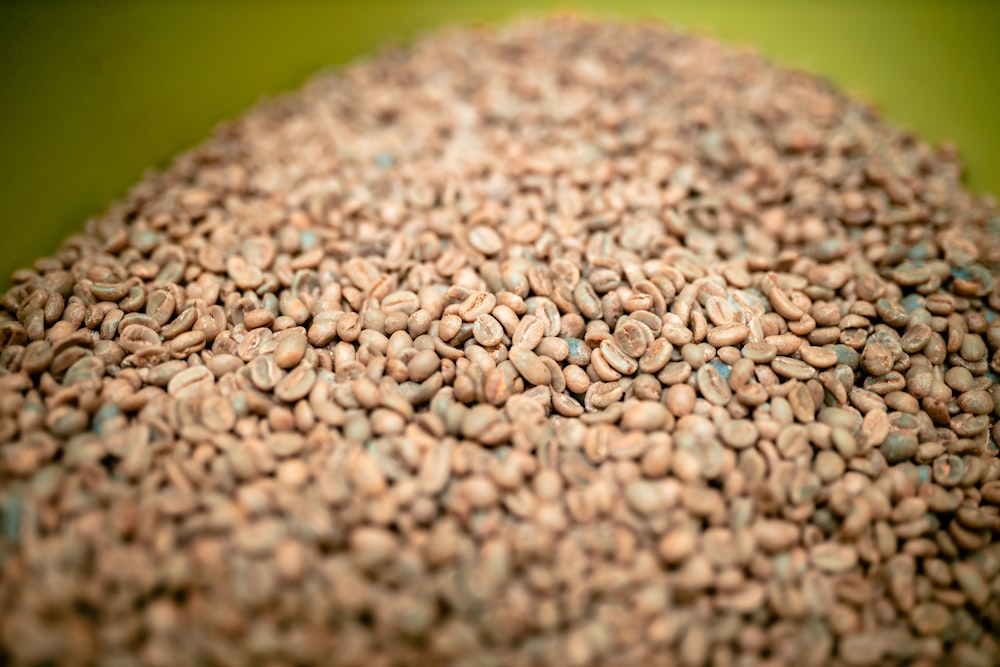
565	343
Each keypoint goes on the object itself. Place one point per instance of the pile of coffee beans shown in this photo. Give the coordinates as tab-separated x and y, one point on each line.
569	343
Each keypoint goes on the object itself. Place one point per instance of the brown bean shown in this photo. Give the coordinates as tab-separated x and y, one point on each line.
617	359
833	557
476	304
818	357
677	545
134	337
487	331
187	344
194	381
423	364
776	535
976	402
733	333
259	317
793	368
633	338
296	385
738	433
37	357
217	414
680	399
290	349
761	353
162	374
646	416
656	356
485	240
712	386
529	366
264	373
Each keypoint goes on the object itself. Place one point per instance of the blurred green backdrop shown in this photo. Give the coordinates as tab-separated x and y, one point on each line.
92	93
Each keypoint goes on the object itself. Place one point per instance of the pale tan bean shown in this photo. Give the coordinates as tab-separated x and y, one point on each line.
833	557
656	356
712	386
529	366
818	357
646	416
487	331
194	381
633	338
296	385
680	399
553	347
476	304
761	353
485	240
776	535
423	364
617	359
291	348
733	333
187	344
529	332
259	317
793	368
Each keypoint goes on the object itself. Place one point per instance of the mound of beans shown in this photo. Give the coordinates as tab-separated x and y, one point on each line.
568	343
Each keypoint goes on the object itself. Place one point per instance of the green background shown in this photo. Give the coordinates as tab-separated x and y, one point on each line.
92	93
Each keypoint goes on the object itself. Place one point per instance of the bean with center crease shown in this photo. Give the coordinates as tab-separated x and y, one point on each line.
529	366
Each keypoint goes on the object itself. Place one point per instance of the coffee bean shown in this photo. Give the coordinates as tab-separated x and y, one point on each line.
971	582
818	357
587	301
633	338
617	359
191	382
775	535
713	386
529	332
485	240
829	466
259	317
833	557
162	374
949	470
108	291
264	373
976	402
677	545
876	359
487	331
529	366
134	337
930	618
402	301
290	349
423	364
656	356
680	399
37	357
761	353
476	304
188	343
296	385
793	368
645	416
